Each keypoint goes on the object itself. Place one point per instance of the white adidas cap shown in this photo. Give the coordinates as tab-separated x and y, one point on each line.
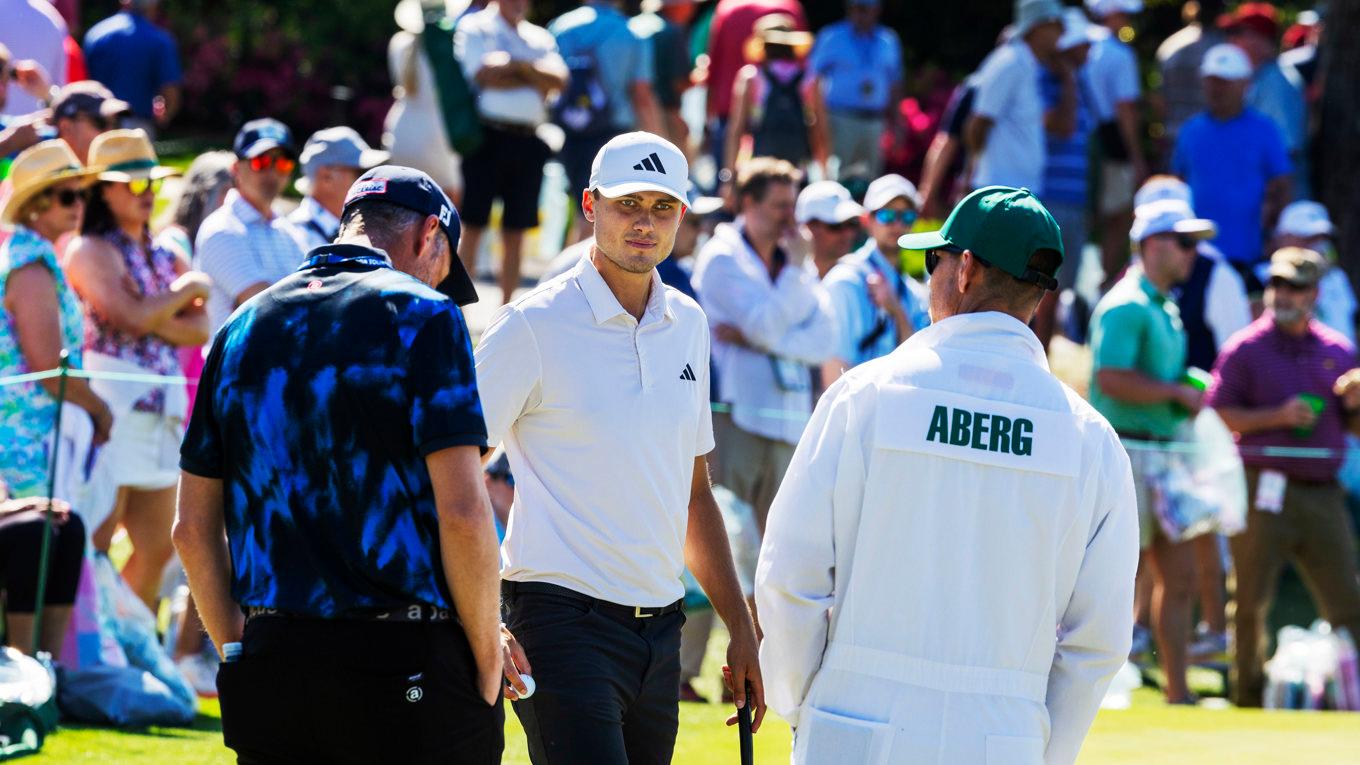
1227	61
826	201
640	161
1305	218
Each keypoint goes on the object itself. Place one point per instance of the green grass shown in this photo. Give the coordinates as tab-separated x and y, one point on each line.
1149	732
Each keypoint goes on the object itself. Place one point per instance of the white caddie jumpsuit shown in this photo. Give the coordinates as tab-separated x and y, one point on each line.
947	575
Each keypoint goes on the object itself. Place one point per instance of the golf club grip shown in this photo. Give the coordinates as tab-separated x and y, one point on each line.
748	756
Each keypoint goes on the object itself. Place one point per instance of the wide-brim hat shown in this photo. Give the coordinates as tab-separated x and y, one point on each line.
777	29
122	155
38	168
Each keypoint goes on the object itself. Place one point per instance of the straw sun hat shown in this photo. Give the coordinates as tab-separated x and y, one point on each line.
37	169
123	155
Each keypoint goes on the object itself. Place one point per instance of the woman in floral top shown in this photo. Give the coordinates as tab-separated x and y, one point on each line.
141	303
39	314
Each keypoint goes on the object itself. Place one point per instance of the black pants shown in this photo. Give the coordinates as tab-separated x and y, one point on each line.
608	686
341	691
20	548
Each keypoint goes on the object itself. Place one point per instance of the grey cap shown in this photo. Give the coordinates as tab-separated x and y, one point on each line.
340	146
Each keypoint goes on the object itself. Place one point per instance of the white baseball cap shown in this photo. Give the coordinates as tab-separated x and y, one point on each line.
1076	30
640	161
1169	216
1305	218
1227	61
1102	8
1164	187
884	190
826	201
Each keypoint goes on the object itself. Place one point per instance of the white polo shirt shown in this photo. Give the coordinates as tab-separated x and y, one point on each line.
1008	94
602	417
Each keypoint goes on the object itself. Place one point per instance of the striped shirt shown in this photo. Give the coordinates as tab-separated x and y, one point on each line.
1065	172
1264	367
238	248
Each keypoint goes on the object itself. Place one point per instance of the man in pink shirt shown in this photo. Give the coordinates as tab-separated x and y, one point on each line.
1289	381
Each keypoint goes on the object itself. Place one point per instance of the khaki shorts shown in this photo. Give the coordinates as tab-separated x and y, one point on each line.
1116	186
1145	460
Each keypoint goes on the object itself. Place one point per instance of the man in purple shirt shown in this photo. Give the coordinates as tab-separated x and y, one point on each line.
1289	381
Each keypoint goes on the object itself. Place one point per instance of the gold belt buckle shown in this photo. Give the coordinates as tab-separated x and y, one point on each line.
637	613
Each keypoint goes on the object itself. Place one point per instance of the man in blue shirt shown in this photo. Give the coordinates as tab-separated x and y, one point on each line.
138	61
332	490
859	63
876	307
1234	159
610	90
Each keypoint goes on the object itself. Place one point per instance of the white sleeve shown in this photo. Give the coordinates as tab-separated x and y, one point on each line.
996	85
468	48
770	320
1126	84
1096	629
1226	306
509	370
223	256
813	340
795	577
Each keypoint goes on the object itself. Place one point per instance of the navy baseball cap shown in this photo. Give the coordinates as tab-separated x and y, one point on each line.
414	190
258	136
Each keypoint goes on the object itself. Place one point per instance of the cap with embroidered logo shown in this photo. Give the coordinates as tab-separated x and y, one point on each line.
414	190
639	161
1002	225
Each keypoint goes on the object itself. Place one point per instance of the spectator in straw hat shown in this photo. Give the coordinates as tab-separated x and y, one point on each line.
141	303
40	314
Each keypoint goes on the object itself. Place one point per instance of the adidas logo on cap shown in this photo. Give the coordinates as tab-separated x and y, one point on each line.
651	162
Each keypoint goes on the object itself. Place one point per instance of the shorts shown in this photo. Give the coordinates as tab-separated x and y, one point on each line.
1117	186
577	155
507	166
143	451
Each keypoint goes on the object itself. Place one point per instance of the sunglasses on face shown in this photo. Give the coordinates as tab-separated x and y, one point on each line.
65	197
139	186
886	217
264	162
933	257
845	225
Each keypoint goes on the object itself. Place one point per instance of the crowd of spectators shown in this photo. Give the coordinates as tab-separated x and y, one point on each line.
1196	246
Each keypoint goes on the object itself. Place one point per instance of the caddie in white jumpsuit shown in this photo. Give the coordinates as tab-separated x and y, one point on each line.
947	575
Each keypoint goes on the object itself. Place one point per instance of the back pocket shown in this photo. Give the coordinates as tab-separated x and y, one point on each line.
827	737
1015	750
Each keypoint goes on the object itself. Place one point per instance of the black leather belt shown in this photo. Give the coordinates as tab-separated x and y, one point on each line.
517	128
414	613
510	590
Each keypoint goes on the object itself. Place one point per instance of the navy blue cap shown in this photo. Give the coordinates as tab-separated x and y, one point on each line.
414	190
258	136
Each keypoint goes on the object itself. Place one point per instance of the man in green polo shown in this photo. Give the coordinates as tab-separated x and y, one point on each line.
986	512
1139	347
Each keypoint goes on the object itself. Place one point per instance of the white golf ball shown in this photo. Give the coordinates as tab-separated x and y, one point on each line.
529	686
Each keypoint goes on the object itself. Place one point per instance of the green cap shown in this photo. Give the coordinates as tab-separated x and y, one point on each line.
1002	225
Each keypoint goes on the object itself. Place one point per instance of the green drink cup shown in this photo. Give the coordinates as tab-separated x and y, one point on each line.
1317	403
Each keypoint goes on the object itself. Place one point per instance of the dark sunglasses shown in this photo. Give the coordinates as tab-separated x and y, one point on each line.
933	257
139	186
65	197
1187	242
844	225
885	217
1281	283
264	162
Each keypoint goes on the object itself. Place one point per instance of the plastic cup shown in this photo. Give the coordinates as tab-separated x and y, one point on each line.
1317	403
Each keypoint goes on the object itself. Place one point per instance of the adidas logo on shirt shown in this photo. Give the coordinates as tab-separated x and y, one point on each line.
688	374
651	162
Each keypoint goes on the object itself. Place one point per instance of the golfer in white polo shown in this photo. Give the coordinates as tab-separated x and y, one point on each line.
597	383
947	574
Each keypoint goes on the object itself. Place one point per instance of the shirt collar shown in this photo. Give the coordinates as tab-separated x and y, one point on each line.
605	306
312	210
330	254
243	210
996	332
1146	285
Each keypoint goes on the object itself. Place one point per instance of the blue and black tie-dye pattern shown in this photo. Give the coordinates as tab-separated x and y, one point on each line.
319	401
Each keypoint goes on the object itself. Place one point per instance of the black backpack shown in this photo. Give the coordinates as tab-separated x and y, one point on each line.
782	132
584	109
